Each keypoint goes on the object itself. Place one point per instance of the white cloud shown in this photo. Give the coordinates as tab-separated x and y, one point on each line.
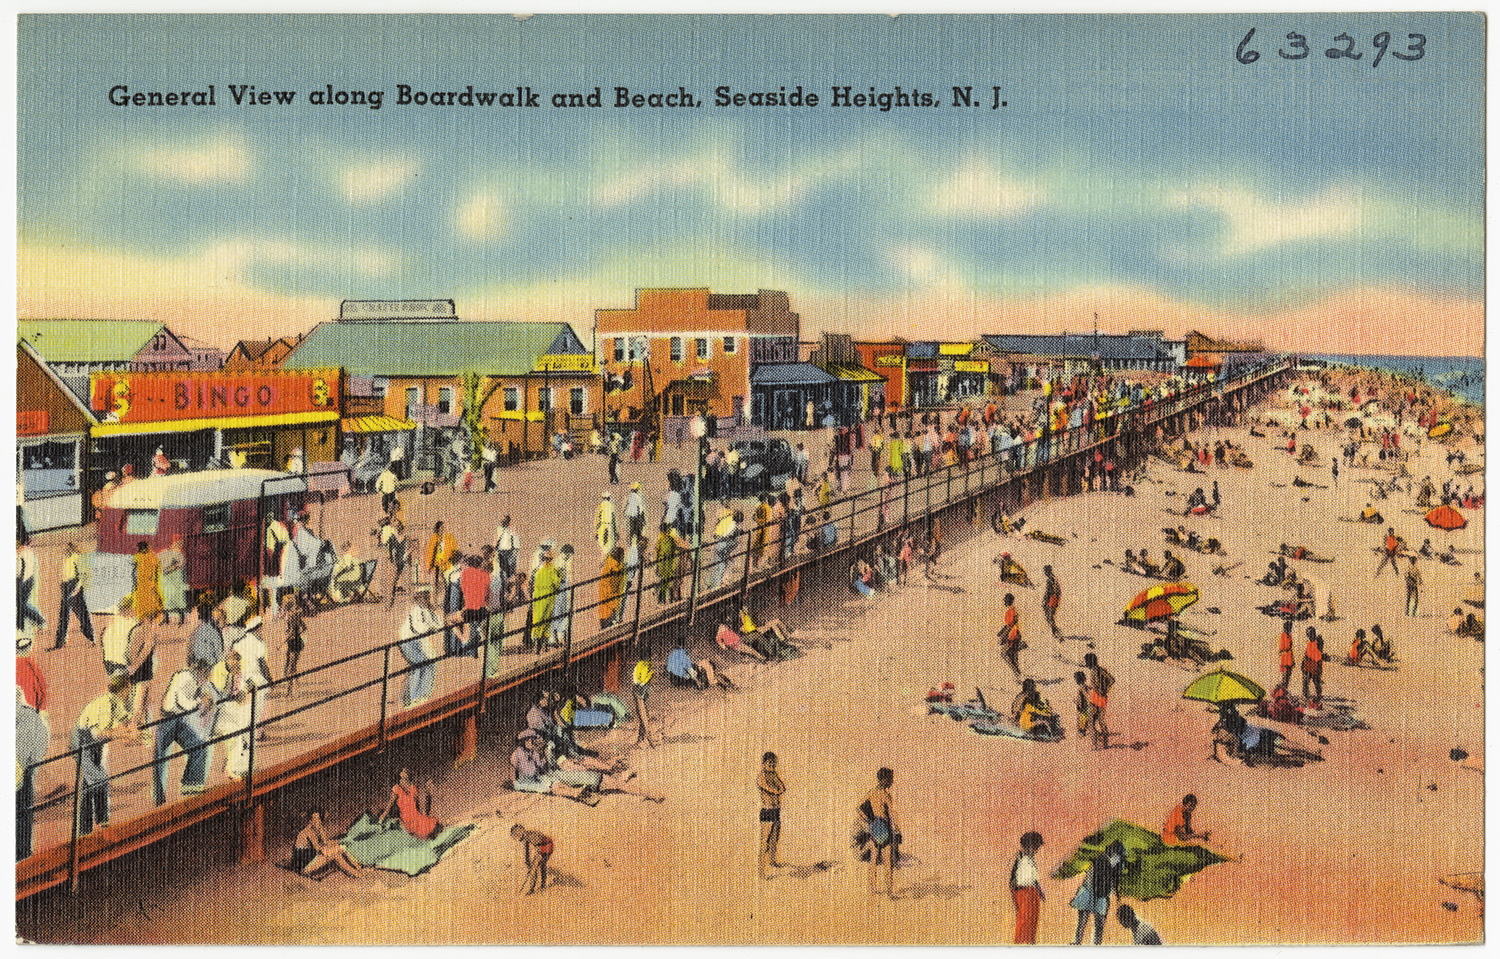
924	268
482	216
372	182
1254	222
224	160
234	259
723	181
978	189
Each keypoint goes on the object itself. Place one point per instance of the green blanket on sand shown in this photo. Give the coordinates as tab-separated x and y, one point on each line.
391	847
1153	870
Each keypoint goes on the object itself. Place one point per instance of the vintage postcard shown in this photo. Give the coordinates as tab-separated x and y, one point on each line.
771	480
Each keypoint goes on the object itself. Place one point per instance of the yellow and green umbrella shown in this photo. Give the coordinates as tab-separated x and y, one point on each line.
1222	686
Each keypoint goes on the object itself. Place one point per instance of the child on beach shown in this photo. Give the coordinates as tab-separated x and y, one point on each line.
536	848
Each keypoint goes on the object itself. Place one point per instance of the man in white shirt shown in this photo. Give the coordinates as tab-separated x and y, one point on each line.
252	650
186	696
507	547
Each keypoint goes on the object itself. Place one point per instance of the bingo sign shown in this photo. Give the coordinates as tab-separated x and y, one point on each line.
177	395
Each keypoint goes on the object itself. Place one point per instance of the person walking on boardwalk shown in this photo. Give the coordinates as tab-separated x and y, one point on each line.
74	579
1413	587
1026	889
439	557
545	583
605	533
771	787
1051	599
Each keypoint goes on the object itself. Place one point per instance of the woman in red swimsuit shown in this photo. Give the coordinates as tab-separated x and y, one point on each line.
414	806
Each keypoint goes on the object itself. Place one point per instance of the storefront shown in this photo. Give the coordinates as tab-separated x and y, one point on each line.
783	394
52	427
862	391
251	418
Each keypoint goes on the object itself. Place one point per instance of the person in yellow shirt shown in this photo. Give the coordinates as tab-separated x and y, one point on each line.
642	681
439	559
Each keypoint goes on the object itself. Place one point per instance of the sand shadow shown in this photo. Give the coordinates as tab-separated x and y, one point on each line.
934	888
946	588
807	872
688	738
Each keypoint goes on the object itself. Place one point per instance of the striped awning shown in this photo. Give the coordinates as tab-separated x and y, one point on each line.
377	423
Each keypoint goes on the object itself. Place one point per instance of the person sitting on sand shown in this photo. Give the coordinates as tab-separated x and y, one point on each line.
1276	572
1148	568
1473	626
536	773
1012	571
1371	515
1456	619
1171	566
1358	649
1303	553
1010	527
703	673
1033	714
1449	556
414	806
1197	502
312	850
731	641
1178	830
1131	564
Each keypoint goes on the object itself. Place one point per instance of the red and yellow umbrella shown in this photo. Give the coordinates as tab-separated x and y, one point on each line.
1446	517
1159	602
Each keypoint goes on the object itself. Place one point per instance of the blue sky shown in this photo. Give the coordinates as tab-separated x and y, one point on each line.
1136	159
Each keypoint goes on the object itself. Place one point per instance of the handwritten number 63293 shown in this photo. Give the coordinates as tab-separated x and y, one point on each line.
1344	48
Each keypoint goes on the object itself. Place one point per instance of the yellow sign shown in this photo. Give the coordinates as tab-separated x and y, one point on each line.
565	363
890	359
970	366
955	349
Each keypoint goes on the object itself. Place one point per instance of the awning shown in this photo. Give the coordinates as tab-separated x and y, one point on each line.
855	374
222	423
790	374
377	423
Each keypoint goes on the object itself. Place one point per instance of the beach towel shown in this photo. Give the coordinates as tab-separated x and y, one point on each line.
1152	870
390	846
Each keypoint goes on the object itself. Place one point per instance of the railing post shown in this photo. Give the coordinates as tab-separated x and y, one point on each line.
484	667
250	758
640	585
77	811
745	583
385	682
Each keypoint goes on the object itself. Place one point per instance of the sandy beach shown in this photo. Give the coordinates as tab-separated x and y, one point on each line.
1349	849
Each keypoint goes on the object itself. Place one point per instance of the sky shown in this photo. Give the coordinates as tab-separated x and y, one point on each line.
1138	171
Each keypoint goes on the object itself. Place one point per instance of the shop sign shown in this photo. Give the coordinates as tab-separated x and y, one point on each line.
181	395
565	363
33	423
970	366
890	359
955	349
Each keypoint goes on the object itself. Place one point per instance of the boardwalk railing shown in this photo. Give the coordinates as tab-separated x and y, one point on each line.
655	590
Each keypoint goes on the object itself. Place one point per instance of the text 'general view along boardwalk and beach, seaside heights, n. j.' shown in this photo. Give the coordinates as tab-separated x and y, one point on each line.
750	480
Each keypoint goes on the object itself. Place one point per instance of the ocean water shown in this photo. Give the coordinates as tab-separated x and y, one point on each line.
1461	375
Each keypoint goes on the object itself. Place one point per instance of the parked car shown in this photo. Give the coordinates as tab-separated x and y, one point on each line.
765	465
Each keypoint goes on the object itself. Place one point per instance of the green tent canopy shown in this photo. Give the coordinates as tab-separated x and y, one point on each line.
1153	870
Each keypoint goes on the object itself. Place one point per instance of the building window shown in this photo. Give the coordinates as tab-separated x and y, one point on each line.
619	349
379	386
413	400
544	398
676	349
216	518
577	399
702	347
730	345
445	399
676	404
512	398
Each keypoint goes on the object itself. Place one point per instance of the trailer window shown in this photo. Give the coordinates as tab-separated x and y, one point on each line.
216	518
141	522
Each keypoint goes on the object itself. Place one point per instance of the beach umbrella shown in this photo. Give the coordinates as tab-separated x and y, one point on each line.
1446	517
1441	429
1221	686
1161	601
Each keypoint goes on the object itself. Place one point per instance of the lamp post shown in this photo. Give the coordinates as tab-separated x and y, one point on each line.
697	520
